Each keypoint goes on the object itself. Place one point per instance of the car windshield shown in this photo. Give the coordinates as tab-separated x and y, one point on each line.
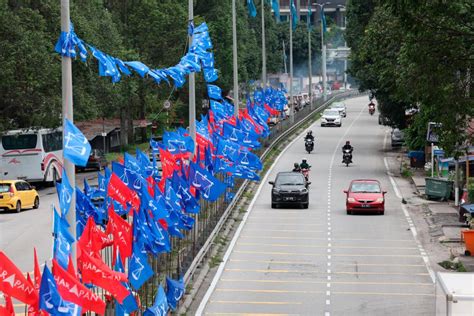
331	113
4	187
290	179
337	106
365	187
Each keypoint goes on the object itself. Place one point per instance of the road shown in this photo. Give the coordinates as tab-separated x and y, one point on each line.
20	233
321	261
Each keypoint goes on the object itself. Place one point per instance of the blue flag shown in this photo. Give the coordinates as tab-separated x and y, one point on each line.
209	186
49	299
252	9
139	271
214	92
160	307
65	192
310	13
175	291
62	240
323	20
249	160
294	14
76	146
129	304
228	149
276	9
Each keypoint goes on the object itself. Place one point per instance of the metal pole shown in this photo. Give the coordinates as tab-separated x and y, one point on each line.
292	105
192	84
66	83
310	67
284	57
264	48
323	51
236	69
432	160
456	182
345	69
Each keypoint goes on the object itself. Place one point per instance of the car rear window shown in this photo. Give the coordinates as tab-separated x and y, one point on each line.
365	187
25	141
331	112
290	179
5	187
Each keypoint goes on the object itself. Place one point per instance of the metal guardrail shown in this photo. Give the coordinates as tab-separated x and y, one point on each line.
282	130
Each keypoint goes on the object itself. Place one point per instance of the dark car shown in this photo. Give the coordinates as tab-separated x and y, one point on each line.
290	188
96	161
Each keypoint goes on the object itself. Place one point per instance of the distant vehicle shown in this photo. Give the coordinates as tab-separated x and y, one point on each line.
331	117
290	188
336	85
17	195
365	195
397	137
32	155
341	107
347	156
96	161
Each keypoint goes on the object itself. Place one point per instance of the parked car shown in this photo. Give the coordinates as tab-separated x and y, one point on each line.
397	138
17	195
341	107
290	188
331	117
365	195
96	161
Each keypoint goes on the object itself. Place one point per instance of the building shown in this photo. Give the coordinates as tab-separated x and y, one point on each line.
335	10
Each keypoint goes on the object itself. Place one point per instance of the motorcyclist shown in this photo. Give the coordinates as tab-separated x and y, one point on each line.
304	164
296	167
349	147
309	136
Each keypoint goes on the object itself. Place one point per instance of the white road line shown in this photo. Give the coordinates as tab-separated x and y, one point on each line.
407	214
220	270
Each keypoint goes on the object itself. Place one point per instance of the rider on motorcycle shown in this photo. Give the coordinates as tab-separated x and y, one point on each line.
296	167
309	136
348	146
304	164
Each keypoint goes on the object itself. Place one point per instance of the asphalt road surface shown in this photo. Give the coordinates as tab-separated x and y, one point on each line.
321	261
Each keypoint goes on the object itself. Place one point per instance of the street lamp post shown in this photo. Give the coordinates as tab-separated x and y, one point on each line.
340	6
264	49
310	66
292	105
192	83
235	61
67	113
323	50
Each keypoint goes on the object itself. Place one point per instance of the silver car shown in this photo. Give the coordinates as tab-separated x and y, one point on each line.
341	107
331	117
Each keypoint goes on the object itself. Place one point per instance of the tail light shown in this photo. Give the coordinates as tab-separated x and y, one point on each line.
42	166
11	192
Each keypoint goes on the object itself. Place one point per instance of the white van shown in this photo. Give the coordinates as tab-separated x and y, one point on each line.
32	155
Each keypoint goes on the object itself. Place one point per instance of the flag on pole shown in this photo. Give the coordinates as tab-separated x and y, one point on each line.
252	8
160	307
276	9
13	283
175	291
323	20
76	146
294	14
310	13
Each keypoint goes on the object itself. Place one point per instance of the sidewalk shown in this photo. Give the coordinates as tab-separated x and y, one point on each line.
437	223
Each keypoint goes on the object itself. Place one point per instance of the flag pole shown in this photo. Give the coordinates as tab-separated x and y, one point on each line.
67	113
292	104
235	62
264	48
310	66
192	85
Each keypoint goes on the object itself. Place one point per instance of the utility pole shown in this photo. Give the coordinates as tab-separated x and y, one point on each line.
235	61
292	105
323	50
310	62
264	48
284	58
67	112
192	85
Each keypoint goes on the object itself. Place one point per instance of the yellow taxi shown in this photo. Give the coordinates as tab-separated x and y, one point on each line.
17	195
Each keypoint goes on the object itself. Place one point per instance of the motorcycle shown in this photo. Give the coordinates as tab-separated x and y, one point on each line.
309	145
305	173
347	157
371	109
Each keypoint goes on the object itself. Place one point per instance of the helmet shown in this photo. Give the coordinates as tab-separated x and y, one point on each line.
304	159
296	165
310	132
348	142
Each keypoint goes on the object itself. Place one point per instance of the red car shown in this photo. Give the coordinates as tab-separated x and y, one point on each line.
365	195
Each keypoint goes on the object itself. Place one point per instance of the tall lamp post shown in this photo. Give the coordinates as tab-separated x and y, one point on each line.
264	48
292	104
323	49
192	83
235	62
67	113
340	6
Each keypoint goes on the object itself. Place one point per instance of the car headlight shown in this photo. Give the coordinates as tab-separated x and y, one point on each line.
379	200
304	191
351	200
276	190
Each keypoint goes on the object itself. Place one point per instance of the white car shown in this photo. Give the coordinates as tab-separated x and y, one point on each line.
331	117
341	107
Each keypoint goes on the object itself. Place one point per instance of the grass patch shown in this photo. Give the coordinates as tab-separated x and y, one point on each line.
455	266
215	261
407	173
131	149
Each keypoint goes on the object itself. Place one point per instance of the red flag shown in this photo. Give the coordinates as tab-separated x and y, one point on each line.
33	309
119	191
13	283
37	271
122	232
74	291
70	267
95	271
271	110
8	309
93	239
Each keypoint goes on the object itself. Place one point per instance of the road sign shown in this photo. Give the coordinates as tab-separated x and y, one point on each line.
167	104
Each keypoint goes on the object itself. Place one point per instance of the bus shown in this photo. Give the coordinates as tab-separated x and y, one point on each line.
32	155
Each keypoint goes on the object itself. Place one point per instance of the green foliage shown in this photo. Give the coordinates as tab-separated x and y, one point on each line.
416	54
